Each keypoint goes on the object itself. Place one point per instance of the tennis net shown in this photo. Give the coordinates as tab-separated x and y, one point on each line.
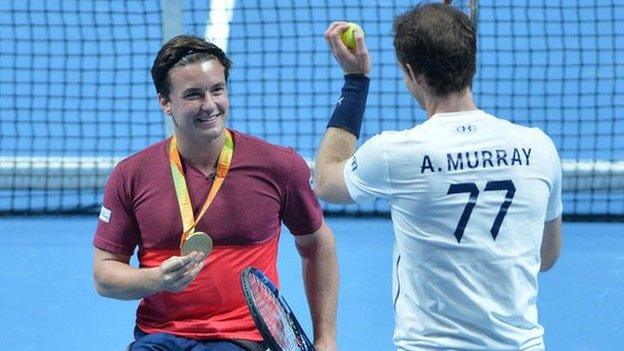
77	95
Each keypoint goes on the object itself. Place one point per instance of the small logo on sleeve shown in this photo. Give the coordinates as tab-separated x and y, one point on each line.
105	214
354	164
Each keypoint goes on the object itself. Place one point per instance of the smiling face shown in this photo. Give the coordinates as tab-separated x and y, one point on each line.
198	101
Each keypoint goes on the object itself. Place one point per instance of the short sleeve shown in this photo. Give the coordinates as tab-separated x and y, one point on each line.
555	205
117	231
301	212
366	173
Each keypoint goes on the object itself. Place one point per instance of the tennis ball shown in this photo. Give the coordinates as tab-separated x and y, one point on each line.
348	37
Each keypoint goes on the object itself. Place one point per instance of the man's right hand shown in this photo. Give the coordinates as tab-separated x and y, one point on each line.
352	62
177	272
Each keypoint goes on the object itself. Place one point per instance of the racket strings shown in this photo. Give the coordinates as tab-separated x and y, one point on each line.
275	317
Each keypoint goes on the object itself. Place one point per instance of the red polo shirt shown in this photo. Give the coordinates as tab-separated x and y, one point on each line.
266	185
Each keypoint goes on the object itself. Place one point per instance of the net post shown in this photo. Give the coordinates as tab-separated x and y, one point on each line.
171	12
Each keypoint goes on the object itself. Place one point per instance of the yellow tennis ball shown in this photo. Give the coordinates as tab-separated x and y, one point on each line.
348	37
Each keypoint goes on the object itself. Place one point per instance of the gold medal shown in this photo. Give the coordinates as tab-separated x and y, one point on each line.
198	241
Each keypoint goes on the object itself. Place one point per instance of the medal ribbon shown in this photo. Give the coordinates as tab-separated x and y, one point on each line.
184	200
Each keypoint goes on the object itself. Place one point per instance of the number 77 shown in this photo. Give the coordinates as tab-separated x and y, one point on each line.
471	188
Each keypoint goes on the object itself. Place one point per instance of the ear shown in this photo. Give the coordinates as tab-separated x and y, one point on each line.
164	103
416	78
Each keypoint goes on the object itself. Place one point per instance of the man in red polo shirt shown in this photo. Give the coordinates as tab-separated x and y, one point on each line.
207	178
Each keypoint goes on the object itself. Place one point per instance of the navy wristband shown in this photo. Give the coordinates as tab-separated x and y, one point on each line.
349	111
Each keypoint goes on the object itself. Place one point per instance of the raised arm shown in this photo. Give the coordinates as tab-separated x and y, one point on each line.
339	142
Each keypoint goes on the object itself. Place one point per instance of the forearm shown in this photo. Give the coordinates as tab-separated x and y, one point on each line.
120	281
551	244
338	144
320	272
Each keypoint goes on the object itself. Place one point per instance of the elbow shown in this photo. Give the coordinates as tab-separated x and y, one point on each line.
332	194
101	290
110	291
545	267
329	184
551	244
548	262
103	285
100	287
320	190
331	191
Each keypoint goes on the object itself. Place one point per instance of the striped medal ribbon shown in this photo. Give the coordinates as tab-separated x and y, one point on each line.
191	240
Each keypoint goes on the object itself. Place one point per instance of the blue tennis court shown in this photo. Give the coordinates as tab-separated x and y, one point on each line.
48	301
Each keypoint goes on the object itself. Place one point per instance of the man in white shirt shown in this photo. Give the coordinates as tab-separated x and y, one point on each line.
475	200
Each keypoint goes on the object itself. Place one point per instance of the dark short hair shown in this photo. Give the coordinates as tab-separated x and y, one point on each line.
180	51
439	42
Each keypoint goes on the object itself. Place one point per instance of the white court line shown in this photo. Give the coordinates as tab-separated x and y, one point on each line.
218	25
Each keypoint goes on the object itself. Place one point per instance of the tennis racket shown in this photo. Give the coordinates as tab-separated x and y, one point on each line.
469	7
275	321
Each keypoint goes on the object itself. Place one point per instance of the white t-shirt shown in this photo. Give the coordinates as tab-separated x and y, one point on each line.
469	194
